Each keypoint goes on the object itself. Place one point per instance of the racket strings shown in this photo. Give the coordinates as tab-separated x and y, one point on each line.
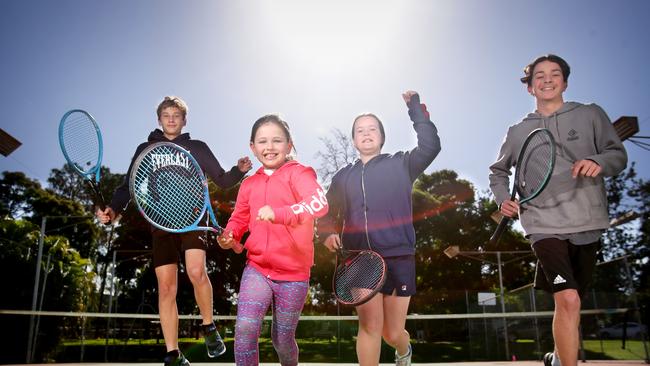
172	195
359	277
536	165
81	141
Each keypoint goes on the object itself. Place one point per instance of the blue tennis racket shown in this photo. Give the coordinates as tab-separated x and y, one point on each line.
81	143
171	191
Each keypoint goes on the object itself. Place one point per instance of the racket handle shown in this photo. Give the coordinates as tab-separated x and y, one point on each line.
497	233
102	207
98	198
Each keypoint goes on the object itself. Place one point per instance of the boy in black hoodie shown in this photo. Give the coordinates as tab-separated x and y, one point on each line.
167	247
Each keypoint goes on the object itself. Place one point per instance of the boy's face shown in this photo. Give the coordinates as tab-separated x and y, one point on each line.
172	121
547	82
367	136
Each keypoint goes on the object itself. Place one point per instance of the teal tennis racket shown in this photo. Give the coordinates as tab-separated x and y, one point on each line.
532	172
171	191
81	143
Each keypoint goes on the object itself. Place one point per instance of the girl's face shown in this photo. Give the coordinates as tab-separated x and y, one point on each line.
271	146
367	136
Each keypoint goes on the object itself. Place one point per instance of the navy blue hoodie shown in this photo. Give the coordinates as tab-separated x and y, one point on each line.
199	150
387	180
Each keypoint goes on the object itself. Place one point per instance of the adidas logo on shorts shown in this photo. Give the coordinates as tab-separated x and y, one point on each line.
558	280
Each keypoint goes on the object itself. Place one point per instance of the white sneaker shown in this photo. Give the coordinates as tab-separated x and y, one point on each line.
404	360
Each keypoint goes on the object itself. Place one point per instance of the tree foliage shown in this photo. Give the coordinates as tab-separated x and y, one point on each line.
626	193
66	284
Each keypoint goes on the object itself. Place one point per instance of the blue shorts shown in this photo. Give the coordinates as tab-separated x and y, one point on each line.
400	276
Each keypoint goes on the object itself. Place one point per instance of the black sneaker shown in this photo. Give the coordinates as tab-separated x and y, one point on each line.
213	341
548	359
176	358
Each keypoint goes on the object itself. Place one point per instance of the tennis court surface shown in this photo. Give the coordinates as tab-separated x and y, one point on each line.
485	363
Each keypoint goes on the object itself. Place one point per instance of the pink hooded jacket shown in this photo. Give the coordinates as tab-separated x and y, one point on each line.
284	249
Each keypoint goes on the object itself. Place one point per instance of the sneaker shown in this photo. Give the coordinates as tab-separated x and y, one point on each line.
176	358
548	359
213	341
404	360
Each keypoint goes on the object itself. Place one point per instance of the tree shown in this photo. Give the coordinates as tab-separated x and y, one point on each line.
627	193
642	195
16	193
67	183
68	287
447	212
339	152
24	198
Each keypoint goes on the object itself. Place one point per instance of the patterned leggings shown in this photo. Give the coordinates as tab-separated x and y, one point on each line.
256	294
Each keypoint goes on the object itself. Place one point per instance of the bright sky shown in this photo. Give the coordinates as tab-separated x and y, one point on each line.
318	63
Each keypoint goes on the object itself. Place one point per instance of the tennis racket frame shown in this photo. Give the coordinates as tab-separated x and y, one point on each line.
344	255
91	176
207	207
515	187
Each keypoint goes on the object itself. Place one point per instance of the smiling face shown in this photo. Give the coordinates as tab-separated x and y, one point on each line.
271	145
547	82
367	136
171	121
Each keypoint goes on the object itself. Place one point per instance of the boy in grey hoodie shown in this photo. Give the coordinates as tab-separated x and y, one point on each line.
565	222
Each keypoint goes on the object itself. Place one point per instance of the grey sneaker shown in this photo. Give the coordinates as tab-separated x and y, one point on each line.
179	359
213	341
404	360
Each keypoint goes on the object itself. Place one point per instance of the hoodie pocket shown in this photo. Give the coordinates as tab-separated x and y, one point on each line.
582	206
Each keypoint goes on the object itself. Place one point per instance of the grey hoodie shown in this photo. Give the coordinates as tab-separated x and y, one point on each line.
567	205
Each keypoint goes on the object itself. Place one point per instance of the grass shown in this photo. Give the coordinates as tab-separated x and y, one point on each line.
328	350
611	349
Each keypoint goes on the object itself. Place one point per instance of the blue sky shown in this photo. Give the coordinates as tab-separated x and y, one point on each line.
318	63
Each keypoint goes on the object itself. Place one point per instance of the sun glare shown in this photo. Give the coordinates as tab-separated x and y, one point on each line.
331	37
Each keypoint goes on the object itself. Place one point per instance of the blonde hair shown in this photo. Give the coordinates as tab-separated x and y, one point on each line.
172	101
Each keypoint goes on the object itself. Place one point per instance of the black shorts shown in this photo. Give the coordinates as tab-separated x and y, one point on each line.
562	265
400	276
168	247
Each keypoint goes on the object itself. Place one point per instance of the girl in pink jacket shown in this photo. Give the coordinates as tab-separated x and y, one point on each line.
277	205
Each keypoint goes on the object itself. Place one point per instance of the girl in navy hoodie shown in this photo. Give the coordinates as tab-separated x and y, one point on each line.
370	205
277	205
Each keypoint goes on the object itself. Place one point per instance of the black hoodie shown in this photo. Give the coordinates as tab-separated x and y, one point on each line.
199	150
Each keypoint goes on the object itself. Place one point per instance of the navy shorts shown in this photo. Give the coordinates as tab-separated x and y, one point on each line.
168	247
562	265
400	276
